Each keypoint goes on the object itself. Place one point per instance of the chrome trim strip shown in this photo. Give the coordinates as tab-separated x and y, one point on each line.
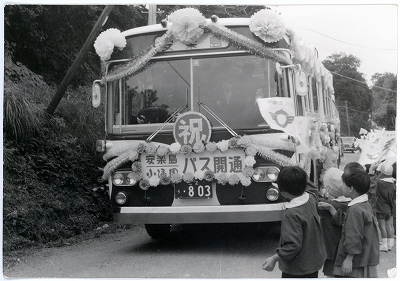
200	214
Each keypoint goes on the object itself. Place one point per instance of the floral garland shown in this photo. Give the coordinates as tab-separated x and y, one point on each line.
243	42
323	139
274	145
186	26
305	56
132	153
139	62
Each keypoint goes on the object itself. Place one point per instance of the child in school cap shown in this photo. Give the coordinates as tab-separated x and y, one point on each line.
333	181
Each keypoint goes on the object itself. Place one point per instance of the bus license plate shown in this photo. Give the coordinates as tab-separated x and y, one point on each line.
197	189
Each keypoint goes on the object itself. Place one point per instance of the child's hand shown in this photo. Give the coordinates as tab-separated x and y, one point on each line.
347	266
324	205
269	264
327	206
323	192
374	166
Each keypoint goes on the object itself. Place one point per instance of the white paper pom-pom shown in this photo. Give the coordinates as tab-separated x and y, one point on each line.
187	25
268	25
106	41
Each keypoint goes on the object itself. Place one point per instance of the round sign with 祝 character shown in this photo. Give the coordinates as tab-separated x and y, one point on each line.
191	128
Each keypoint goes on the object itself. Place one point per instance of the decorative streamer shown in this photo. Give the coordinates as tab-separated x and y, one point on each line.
243	42
139	62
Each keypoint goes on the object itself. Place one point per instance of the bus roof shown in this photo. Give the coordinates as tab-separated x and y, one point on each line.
158	27
303	54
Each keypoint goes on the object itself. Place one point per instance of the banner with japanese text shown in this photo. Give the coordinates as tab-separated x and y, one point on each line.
379	145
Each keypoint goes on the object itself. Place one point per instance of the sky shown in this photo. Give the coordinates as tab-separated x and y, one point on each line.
367	30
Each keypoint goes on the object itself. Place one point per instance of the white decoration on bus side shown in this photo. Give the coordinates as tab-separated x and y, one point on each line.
106	41
301	83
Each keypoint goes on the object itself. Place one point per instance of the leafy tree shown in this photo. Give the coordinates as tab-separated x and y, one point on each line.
384	92
46	38
223	11
351	88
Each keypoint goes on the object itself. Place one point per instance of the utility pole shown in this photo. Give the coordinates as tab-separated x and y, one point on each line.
152	15
78	60
347	117
153	11
370	120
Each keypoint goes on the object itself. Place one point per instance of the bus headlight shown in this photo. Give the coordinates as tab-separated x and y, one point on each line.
272	173
118	178
121	198
124	178
258	174
130	179
272	194
265	174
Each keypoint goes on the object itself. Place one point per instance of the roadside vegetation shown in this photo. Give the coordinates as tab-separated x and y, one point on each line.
50	190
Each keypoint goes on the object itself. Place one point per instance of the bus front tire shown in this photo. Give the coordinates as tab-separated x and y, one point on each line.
158	231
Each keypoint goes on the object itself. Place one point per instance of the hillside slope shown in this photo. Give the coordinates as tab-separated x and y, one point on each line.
50	192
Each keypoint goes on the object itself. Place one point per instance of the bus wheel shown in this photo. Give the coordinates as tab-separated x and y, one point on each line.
157	231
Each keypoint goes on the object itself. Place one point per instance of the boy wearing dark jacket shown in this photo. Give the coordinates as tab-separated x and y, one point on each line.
301	252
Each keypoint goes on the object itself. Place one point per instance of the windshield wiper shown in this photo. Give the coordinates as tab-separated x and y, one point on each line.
173	115
176	71
209	111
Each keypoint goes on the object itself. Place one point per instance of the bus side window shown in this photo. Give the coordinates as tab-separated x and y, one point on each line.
327	109
314	92
307	102
282	82
299	101
270	87
324	104
308	98
115	103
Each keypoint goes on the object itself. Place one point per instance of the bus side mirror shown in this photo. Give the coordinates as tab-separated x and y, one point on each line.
96	94
279	67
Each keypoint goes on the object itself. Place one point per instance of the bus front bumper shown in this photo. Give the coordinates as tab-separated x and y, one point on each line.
199	214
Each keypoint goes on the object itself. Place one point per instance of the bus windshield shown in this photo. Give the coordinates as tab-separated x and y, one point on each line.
224	86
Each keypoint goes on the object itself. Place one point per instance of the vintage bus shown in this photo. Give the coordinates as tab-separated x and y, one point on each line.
186	140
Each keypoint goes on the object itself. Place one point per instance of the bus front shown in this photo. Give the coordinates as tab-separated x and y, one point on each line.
185	140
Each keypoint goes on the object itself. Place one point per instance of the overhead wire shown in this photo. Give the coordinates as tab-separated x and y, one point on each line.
348	42
357	46
362	82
